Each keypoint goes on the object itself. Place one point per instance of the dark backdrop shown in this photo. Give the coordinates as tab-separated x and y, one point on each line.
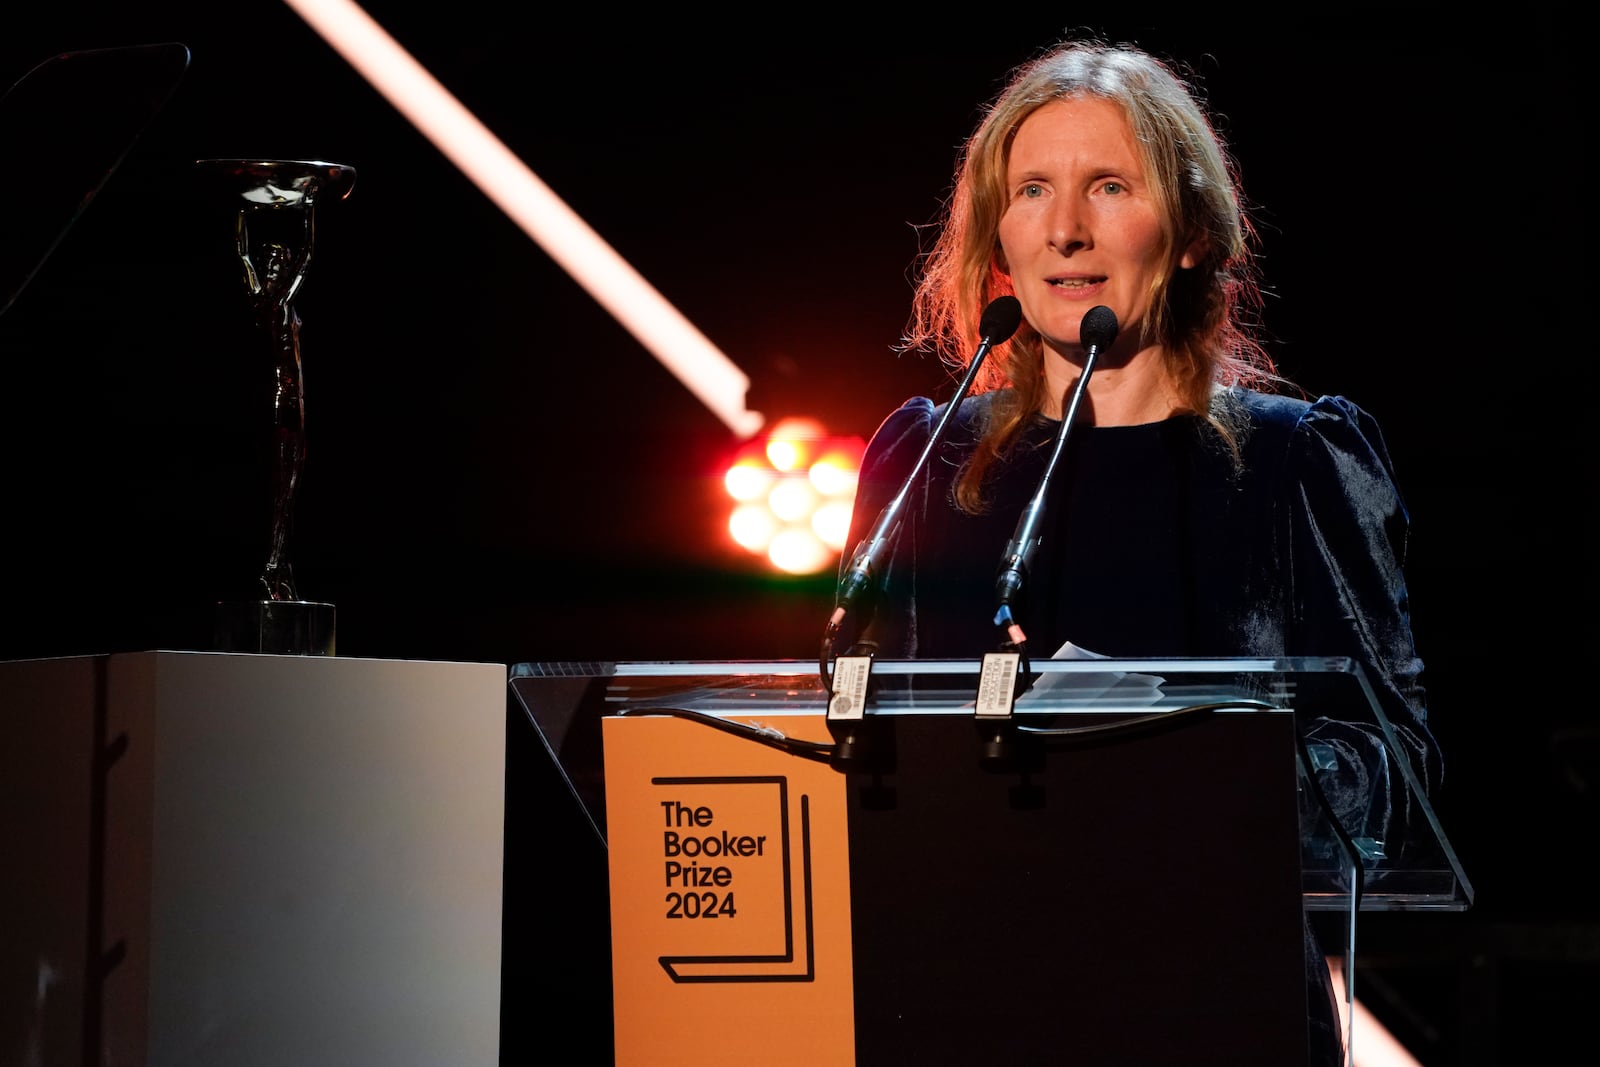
498	472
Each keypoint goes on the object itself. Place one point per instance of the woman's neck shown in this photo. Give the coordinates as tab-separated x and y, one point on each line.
1131	393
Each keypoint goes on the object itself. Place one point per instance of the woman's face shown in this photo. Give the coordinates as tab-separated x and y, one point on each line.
1081	225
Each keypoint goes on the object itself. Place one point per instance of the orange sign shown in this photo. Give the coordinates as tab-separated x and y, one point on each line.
730	896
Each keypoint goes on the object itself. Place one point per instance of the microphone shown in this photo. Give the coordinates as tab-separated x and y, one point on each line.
1095	333
863	742
998	322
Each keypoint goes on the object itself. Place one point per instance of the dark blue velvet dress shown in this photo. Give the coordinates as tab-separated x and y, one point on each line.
1156	542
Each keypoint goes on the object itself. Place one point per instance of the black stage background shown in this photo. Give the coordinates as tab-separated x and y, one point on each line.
499	472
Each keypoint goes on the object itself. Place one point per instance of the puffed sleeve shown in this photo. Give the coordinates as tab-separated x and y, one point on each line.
1348	530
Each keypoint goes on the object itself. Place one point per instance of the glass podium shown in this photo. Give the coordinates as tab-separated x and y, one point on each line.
1124	815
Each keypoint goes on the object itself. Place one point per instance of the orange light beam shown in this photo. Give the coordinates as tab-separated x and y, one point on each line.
1370	1044
532	205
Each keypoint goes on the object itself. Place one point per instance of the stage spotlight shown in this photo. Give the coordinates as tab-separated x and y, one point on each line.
793	490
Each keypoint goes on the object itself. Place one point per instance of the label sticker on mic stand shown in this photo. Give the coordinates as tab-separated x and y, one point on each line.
996	685
850	676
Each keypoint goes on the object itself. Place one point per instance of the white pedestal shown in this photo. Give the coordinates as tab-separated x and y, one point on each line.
279	860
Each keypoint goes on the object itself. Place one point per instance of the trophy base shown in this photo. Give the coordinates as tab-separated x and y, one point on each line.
276	627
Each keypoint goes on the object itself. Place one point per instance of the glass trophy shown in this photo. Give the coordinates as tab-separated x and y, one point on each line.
273	205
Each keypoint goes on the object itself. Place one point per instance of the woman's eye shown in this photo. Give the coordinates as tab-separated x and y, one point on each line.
1033	189
1114	188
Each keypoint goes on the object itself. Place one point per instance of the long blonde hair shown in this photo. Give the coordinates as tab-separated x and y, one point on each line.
1195	314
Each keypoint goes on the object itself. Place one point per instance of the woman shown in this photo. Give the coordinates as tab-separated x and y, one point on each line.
1196	511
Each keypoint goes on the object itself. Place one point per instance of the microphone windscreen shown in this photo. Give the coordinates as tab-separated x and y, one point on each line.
1098	328
1001	319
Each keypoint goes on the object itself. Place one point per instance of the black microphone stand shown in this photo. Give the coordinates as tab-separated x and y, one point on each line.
862	741
1000	320
1001	681
1097	331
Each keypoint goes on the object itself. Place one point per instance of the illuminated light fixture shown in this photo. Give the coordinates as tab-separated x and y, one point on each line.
793	500
748	481
798	551
784	453
793	491
834	473
529	202
753	526
831	522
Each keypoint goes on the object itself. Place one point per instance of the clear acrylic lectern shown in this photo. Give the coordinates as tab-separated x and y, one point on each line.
1123	870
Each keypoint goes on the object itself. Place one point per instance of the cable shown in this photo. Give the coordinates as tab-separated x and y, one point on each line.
1143	724
821	751
1171	719
1358	883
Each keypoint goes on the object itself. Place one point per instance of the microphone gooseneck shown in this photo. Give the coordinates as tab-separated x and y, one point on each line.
1096	333
999	321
